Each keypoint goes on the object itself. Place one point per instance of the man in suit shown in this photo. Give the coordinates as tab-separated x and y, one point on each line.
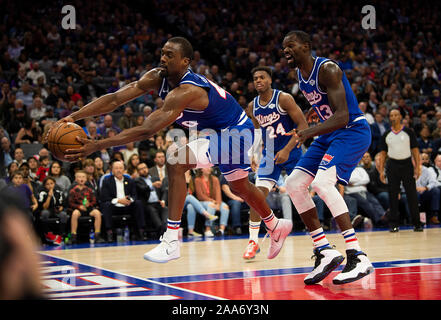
378	128
159	170
155	209
118	197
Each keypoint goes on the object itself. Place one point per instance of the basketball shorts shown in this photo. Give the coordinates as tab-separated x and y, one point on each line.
227	149
270	171
342	148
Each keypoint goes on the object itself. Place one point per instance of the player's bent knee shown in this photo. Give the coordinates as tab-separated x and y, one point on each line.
297	187
324	181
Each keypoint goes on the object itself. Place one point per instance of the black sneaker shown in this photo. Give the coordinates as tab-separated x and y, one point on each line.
418	228
326	260
394	229
357	267
98	238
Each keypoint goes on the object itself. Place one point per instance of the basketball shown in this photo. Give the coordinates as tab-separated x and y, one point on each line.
64	137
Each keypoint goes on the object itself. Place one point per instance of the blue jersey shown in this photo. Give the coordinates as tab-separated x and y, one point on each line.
273	120
222	111
319	99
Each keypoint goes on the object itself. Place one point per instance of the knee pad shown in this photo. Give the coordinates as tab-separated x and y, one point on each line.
324	185
297	185
268	184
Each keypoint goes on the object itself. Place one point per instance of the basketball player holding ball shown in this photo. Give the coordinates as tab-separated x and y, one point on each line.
190	100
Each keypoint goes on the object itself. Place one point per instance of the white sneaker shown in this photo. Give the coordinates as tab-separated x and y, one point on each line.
357	266
167	250
278	236
209	234
326	260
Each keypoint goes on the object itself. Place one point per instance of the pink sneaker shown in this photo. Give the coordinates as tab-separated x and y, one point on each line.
278	236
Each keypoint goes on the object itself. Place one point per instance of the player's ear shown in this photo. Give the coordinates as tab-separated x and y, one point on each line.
186	61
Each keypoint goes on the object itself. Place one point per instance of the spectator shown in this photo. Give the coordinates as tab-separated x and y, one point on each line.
62	181
118	196
92	175
132	164
106	126
26	94
428	190
18	187
235	203
43	170
425	140
155	209
89	90
129	152
82	201
6	155
378	128
19	156
127	120
193	206
51	205
366	202
376	186
208	192
92	131
99	165
159	170
33	167
38	110
36	74
369	117
30	133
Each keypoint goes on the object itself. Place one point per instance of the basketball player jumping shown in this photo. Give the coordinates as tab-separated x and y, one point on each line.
190	100
343	137
276	113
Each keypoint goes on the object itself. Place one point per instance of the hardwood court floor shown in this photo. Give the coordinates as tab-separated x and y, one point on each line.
215	268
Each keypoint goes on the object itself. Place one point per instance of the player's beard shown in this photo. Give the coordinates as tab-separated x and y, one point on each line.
163	72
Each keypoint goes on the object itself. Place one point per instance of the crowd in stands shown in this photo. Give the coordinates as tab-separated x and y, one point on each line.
47	72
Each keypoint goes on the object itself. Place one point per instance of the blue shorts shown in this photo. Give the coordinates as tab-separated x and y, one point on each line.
227	149
342	148
268	170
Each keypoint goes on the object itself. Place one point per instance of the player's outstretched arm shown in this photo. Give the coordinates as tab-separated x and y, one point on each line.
176	101
109	102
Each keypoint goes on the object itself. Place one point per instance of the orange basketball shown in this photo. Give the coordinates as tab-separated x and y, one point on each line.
64	137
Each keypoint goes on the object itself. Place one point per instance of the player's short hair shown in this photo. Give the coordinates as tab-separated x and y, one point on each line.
302	36
186	47
262	68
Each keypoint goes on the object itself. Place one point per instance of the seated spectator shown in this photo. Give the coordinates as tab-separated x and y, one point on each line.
278	198
13	167
129	152
43	170
33	184
155	209
436	168
235	203
193	206
159	170
103	129
132	164
19	156
51	205
378	128
38	110
376	186
428	191
357	188
61	180
6	155
18	187
92	176
425	140
82	201
30	133
208	192
33	167
118	196
127	120
99	167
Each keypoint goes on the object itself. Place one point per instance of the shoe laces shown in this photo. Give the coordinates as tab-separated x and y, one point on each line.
250	246
318	256
352	261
